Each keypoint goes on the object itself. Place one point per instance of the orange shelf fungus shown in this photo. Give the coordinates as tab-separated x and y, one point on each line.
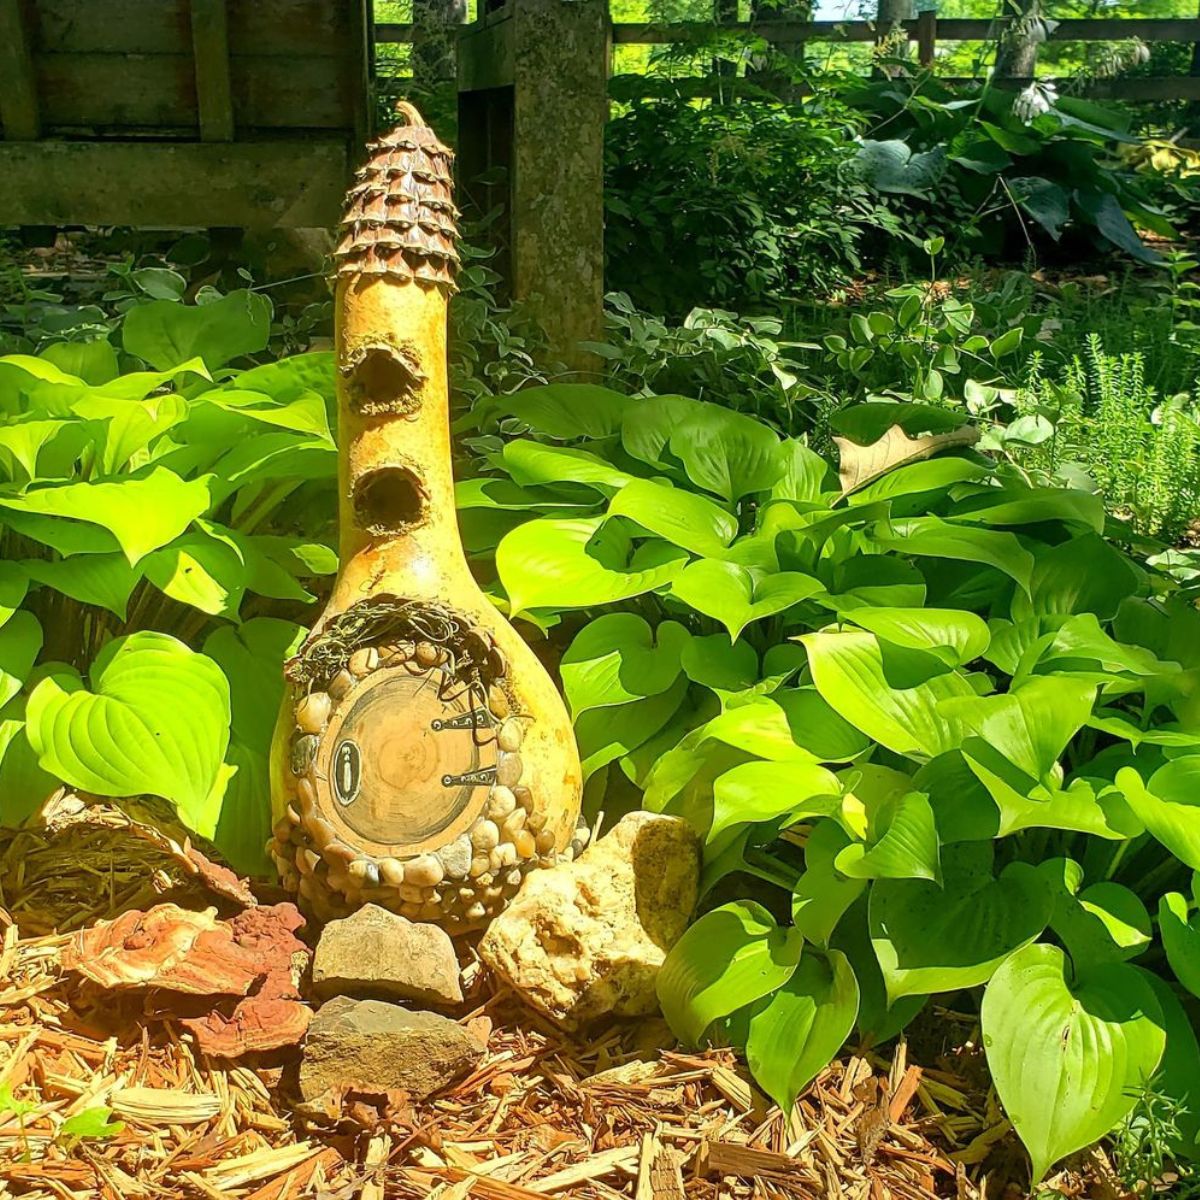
424	760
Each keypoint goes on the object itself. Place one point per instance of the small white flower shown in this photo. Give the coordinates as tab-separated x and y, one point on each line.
1034	100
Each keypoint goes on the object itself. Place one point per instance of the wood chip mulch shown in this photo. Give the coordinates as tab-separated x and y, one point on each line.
543	1115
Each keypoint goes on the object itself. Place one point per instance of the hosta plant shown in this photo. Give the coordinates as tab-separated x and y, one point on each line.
939	736
149	553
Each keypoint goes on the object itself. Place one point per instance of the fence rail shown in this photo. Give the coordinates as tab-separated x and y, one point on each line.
926	31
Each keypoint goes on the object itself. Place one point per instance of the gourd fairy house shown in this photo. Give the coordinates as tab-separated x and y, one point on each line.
423	759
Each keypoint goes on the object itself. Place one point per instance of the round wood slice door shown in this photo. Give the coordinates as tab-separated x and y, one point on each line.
404	765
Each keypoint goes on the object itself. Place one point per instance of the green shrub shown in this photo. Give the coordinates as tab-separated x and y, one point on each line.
155	499
741	205
938	734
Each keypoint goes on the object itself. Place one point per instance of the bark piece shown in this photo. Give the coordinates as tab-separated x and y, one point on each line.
166	947
376	954
587	938
379	1047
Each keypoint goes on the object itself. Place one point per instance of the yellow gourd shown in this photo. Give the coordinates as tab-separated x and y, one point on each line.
423	758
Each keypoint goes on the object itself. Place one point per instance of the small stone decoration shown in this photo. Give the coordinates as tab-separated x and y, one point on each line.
585	939
383	1047
374	953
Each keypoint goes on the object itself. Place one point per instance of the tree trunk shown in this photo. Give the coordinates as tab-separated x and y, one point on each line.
435	31
1017	52
763	12
890	41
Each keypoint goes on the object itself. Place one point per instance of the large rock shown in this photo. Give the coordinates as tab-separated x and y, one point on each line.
379	955
586	938
380	1047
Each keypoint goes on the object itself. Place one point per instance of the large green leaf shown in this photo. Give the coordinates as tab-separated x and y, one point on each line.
729	958
252	658
736	595
578	563
765	791
105	580
24	786
142	513
1085	574
795	1033
680	517
128	426
166	333
1169	805
932	537
618	658
822	895
951	635
1104	922
848	670
568	410
201	571
20	643
156	721
532	463
1068	1059
728	453
606	734
1030	725
931	939
1181	939
14	584
902	843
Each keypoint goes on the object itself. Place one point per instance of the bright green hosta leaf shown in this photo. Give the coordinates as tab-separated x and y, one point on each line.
568	410
1085	574
735	595
1028	506
950	634
902	843
24	786
156	721
796	1032
20	643
1169	805
647	427
94	362
25	438
606	734
532	463
680	517
1105	922
1030	725
728	453
578	563
934	538
716	664
305	412
141	513
14	584
930	939
806	475
252	658
1068	1058
618	658
729	958
822	895
166	333
765	791
128	426
200	571
848	670
105	580
931	475
1180	934
1178	1076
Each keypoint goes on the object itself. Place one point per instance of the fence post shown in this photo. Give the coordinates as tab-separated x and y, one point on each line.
926	36
533	100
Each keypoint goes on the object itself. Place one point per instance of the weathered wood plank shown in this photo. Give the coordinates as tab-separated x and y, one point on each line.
261	184
949	30
214	91
256	27
18	91
927	34
118	92
485	56
356	71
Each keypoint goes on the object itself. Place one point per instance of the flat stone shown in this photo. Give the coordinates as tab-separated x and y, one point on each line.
586	939
378	954
380	1047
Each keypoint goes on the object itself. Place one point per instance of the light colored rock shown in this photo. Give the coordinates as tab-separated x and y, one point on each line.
376	953
585	939
380	1047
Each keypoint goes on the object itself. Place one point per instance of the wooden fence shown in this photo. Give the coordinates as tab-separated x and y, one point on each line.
926	30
